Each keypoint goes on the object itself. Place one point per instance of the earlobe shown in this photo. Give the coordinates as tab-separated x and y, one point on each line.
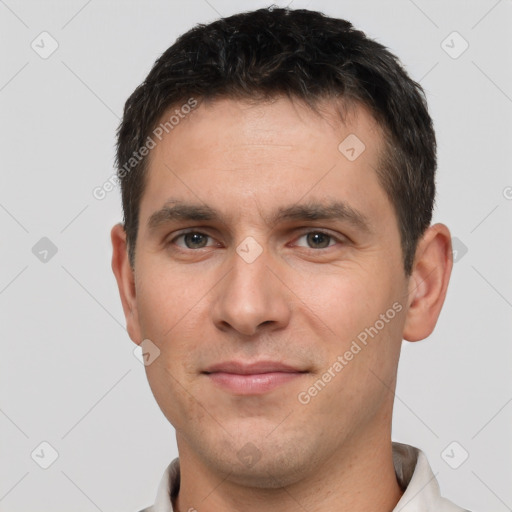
428	282
125	281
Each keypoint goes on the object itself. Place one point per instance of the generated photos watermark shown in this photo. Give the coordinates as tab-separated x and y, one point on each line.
305	397
101	191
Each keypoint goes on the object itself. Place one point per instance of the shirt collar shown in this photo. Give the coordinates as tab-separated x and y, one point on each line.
413	472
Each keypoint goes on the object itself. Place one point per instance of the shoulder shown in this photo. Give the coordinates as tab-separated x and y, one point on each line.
421	488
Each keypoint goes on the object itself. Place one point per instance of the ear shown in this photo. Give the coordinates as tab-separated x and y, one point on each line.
125	281
428	282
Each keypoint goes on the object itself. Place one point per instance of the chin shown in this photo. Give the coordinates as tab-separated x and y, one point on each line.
262	462
267	473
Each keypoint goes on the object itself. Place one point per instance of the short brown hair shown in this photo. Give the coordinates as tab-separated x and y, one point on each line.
301	54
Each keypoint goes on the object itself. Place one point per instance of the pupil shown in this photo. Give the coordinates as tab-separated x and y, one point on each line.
195	239
314	238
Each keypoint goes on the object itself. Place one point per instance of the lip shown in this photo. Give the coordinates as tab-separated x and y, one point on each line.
253	368
252	378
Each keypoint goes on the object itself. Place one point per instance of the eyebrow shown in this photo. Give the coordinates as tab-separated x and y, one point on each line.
174	210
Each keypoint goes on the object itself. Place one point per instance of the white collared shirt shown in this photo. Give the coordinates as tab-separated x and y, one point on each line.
413	472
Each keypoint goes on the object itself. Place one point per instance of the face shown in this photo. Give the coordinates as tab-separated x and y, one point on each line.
269	276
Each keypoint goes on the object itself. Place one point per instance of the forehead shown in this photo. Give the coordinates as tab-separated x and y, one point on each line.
234	154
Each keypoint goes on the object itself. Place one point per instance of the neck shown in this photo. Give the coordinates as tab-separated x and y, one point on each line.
359	477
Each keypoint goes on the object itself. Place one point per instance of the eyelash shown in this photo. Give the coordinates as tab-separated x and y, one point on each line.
302	234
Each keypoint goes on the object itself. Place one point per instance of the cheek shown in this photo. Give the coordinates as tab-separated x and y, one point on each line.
166	298
343	301
169	390
172	374
362	315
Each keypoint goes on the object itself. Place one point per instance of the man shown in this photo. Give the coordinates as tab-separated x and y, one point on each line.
277	173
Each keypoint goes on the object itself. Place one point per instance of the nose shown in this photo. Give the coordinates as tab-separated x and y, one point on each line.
251	296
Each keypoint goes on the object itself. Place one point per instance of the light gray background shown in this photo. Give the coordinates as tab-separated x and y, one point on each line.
68	374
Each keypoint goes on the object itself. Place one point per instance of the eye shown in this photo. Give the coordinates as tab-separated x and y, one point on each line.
318	239
191	240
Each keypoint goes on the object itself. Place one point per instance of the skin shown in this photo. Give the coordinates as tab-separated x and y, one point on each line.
302	302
